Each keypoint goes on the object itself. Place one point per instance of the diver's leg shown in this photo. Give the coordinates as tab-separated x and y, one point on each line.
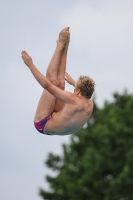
61	73
46	103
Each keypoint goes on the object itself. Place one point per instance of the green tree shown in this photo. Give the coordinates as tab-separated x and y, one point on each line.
98	162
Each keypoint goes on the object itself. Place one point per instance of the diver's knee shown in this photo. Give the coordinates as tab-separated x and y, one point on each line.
61	84
52	79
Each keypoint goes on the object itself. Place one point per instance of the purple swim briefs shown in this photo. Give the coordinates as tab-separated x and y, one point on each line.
41	125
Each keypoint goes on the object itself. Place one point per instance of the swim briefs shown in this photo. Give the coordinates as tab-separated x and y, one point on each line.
41	125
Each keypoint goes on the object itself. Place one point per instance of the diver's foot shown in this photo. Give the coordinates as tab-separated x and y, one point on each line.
63	38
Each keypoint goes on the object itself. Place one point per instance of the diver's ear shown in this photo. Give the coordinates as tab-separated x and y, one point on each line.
77	92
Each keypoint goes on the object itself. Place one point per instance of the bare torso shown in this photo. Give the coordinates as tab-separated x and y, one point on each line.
71	118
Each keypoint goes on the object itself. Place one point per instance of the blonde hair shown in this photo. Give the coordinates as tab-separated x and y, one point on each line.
86	86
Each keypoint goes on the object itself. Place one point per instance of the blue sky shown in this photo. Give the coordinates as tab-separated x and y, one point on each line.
101	46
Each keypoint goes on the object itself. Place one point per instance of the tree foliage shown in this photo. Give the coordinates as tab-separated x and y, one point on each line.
98	162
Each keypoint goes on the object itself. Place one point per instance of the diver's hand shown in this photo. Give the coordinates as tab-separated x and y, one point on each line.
26	58
69	79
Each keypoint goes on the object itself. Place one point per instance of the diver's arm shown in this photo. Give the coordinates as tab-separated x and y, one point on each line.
69	79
